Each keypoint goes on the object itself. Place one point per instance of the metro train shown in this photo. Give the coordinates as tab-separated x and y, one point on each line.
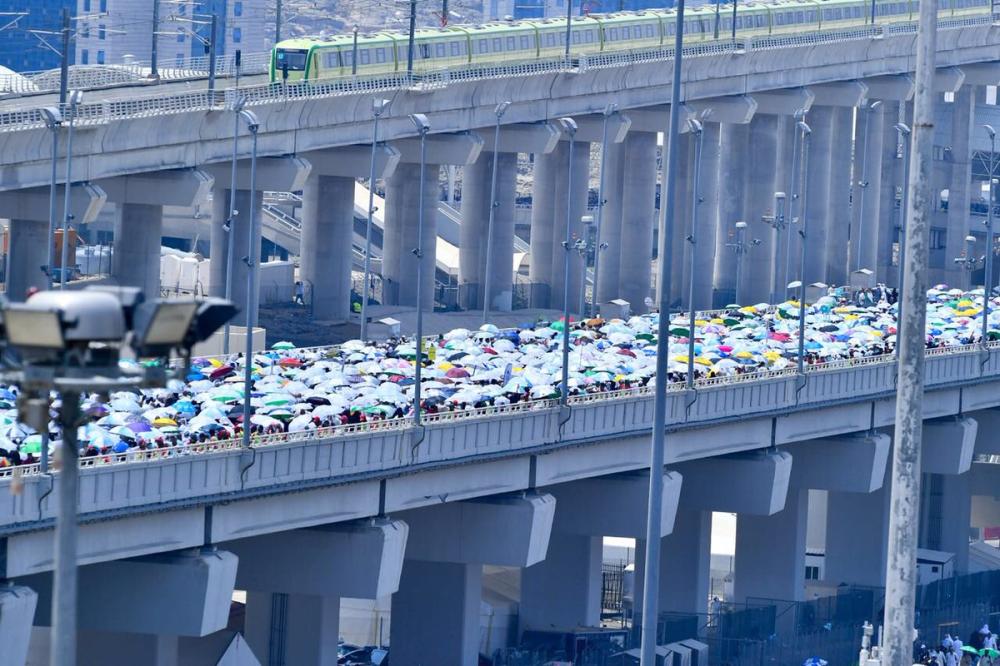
508	42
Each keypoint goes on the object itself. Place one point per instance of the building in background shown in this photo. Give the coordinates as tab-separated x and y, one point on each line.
125	31
22	51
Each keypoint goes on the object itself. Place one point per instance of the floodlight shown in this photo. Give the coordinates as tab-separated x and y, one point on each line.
989	130
567	125
33	328
52	116
250	118
87	316
741	225
162	325
779	195
212	315
501	108
694	126
379	106
129	297
795	285
804	127
421	122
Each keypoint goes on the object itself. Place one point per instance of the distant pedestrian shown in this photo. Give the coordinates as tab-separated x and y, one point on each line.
300	293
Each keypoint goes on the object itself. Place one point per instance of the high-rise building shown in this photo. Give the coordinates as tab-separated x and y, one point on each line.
20	49
124	29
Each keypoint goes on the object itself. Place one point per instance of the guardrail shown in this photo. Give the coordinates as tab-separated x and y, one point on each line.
106	112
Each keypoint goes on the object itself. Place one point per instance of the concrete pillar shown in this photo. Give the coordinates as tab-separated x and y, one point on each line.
440	603
771	552
734	167
136	260
308	625
788	239
959	188
946	516
219	241
27	257
708	214
638	210
476	182
563	591
580	168
839	212
685	564
239	236
760	199
870	164
857	527
546	168
820	120
327	240
892	178
400	237
17	609
612	220
502	246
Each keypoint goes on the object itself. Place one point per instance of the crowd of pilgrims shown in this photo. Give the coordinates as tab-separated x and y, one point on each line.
295	391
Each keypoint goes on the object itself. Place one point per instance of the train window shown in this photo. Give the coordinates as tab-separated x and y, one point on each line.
511	43
612	34
576	37
380	54
626	33
550	39
424	51
588	36
456	48
649	31
811	15
294	61
440	50
364	56
497	45
525	43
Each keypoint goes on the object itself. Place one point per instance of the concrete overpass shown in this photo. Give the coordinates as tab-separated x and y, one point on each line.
365	511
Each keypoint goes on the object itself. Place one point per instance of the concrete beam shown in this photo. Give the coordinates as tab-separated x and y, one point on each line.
948	79
753	483
987	439
354	161
851	464
591	128
613	505
985	511
17	610
185	593
537	138
650	119
274	174
461	148
982	74
948	445
735	109
178	187
840	93
506	530
85	202
784	102
897	87
361	560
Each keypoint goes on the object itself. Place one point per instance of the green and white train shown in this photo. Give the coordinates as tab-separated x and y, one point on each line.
523	41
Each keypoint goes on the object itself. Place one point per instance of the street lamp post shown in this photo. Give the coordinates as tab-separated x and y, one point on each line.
423	126
741	247
75	98
500	109
569	27
228	225
609	111
379	106
863	183
251	261
777	224
584	246
697	130
806	135
904	134
988	262
793	193
53	121
968	261
569	127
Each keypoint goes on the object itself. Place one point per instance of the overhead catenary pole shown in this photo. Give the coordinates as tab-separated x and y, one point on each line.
423	126
698	131
277	21
803	230
654	511
213	51
411	36
251	262
64	61
609	111
378	108
500	109
863	183
53	119
569	127
988	259
901	565
74	100
735	5
153	71
569	26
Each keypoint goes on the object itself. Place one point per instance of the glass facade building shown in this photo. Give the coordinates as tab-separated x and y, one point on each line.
22	51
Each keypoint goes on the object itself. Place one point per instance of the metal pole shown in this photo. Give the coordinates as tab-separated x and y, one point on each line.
988	267
213	52
569	25
779	224
63	640
277	21
697	130
873	13
806	136
904	134
64	62
718	18
412	36
792	196
651	584
252	252
230	226
570	129
418	251
51	240
251	264
444	13
153	71
608	112
901	564
499	111
67	187
740	250
354	52
378	107
863	183
735	3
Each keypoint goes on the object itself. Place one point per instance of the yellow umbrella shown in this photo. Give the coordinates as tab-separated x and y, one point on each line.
748	309
164	421
772	355
216	363
964	303
445	365
681	358
743	354
700	322
701	360
716	320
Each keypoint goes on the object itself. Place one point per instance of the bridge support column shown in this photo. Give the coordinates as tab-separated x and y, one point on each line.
612	220
761	187
820	120
580	169
136	259
637	204
685	564
771	552
708	218
733	174
27	257
962	111
399	264
327	241
546	168
839	212
17	609
449	544
293	628
888	218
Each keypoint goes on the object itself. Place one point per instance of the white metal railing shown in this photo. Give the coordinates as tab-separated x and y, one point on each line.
109	111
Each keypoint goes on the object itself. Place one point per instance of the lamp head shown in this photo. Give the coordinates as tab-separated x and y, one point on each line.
421	122
780	196
695	126
804	127
611	109
989	130
567	125
250	118
874	105
239	104
741	225
52	116
902	128
380	106
502	108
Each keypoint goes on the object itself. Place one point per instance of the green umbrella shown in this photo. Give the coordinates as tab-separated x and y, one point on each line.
284	345
679	331
32	444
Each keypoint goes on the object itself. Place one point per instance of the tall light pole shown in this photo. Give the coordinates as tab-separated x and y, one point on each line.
277	21
988	266
904	135
500	109
423	126
53	121
569	127
741	247
793	193
863	182
229	225
251	261
354	50
379	106
654	510
806	135
697	130
777	222
569	26
609	111
75	98
154	72
411	37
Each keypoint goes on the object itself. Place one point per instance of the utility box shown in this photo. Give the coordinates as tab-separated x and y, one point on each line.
616	308
385	328
699	651
71	256
816	291
863	278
